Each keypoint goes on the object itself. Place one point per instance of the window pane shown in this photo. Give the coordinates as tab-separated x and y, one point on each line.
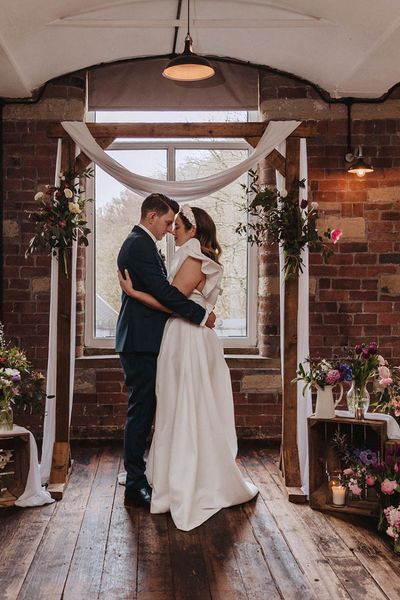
226	209
117	211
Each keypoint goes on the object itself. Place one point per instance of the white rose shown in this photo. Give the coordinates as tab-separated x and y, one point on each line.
68	193
314	205
74	208
61	175
39	196
283	193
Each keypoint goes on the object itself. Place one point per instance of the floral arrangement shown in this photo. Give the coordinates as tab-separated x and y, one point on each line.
392	515
364	469
364	362
5	458
358	466
359	364
387	391
60	218
323	372
19	384
278	217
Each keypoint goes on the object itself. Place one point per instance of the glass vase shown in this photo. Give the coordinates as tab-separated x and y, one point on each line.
6	417
357	401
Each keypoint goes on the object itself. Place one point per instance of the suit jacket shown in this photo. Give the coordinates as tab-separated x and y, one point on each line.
140	328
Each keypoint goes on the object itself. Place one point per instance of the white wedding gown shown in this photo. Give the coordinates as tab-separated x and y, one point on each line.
191	465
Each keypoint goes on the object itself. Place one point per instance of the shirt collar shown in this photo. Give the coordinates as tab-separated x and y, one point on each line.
153	237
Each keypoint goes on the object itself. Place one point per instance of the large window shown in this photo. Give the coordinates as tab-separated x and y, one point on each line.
116	210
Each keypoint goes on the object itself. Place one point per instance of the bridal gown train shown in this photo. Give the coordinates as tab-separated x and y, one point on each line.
191	465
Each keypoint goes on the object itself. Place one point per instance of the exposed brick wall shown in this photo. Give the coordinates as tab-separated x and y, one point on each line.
356	296
100	398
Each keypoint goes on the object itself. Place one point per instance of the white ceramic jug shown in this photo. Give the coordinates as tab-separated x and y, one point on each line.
325	407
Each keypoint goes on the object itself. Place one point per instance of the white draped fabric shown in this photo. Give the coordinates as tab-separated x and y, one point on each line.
50	411
304	406
34	494
181	191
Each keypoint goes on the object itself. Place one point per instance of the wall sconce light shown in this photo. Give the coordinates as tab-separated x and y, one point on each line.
358	165
188	66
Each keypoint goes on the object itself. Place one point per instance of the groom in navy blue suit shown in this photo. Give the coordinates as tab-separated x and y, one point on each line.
139	333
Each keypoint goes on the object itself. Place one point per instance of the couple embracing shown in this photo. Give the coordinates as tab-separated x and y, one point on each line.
174	368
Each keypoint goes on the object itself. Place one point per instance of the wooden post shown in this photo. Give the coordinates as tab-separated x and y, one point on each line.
61	462
290	465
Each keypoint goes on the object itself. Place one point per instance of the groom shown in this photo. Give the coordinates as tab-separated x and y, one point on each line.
139	333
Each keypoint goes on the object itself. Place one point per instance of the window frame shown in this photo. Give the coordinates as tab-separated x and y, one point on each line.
91	341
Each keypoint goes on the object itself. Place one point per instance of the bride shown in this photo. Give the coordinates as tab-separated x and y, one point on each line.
191	465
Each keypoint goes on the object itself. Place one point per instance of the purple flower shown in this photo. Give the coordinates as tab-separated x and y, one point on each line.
358	349
367	457
303	204
365	353
373	348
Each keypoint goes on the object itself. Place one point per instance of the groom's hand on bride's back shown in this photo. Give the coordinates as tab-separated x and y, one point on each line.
210	320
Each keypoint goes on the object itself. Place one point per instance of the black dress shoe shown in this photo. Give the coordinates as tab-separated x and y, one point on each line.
140	497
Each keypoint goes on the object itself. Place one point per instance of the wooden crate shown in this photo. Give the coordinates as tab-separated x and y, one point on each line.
14	475
323	459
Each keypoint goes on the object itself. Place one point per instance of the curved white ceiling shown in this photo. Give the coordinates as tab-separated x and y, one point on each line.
347	47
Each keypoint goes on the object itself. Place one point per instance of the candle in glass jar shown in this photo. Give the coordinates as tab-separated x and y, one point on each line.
338	495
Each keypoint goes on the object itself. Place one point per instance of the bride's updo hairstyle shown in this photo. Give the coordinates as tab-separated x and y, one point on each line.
206	232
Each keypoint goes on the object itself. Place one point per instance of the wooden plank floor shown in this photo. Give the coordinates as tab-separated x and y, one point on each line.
89	546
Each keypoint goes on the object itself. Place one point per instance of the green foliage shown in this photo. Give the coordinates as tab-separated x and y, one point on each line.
277	217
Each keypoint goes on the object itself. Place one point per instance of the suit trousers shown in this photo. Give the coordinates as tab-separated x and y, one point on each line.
140	370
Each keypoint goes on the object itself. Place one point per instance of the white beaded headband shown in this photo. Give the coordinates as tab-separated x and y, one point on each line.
188	214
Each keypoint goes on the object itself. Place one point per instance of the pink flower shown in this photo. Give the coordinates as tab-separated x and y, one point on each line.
384	372
388	486
332	376
336	234
381	360
385	381
390	532
348	472
370	480
397	412
355	489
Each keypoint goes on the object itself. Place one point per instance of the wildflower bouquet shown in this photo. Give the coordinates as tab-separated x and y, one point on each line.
363	361
60	219
19	384
322	372
278	217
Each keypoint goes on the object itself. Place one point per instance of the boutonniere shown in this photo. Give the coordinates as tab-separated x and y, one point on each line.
162	256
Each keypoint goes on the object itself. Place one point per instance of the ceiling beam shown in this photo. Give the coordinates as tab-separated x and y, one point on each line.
194	23
180	130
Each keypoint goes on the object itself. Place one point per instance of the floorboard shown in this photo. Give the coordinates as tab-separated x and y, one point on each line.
89	546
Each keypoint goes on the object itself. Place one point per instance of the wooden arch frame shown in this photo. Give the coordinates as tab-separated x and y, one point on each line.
289	167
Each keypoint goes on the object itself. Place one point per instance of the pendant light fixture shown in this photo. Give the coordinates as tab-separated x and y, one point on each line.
358	164
188	66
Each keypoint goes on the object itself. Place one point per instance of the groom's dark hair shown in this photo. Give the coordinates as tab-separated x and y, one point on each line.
159	204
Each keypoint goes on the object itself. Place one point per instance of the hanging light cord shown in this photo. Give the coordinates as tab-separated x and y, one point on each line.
178	16
188	28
